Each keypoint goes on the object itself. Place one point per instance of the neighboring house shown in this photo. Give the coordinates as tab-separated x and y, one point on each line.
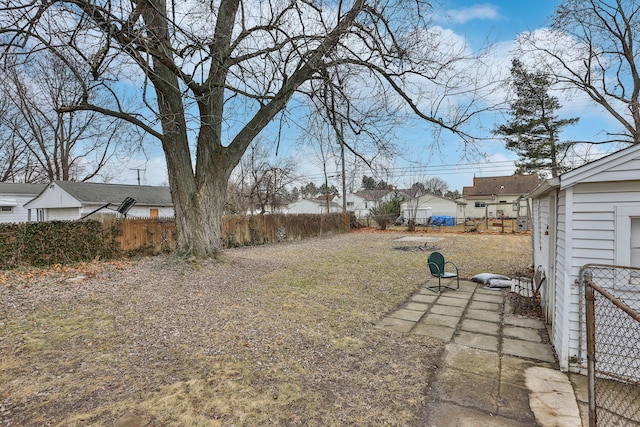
361	202
427	205
588	215
13	197
497	196
68	200
312	206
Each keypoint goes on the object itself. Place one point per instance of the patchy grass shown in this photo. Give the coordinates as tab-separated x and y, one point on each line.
274	335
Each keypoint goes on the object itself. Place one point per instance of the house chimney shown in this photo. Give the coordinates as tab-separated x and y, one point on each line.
474	179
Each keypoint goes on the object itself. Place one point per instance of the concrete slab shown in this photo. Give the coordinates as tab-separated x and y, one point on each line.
398	325
489	328
529	350
526	334
488	316
551	397
482	290
405	314
460	294
512	369
468	287
580	385
440	320
447	310
481	362
514	403
475	340
440	332
496	299
424	298
526	322
454	302
469	389
417	306
451	415
481	305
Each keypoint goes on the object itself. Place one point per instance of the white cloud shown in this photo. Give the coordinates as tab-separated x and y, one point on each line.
478	11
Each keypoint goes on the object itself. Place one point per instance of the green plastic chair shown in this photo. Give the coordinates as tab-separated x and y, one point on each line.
437	267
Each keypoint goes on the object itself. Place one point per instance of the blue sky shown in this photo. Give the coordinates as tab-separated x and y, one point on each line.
480	23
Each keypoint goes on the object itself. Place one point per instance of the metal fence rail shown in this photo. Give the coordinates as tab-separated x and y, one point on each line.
612	296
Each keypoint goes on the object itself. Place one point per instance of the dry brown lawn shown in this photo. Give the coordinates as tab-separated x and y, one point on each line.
273	335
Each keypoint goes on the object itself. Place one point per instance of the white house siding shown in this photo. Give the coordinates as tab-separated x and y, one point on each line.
438	207
595	207
591	223
560	318
137	211
356	204
62	214
145	212
17	213
312	207
540	213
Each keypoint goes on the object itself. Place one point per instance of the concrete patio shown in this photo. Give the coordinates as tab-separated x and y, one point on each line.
498	369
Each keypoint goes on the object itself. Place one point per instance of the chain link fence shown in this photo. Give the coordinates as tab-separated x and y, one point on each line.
612	305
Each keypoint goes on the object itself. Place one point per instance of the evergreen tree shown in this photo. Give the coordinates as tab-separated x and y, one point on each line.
534	128
369	183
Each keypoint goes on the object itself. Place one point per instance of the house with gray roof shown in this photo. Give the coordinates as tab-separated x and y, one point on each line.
13	197
497	196
69	200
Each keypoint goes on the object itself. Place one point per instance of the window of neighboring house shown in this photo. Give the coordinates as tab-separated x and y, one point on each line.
481	205
40	214
350	204
153	213
365	205
7	209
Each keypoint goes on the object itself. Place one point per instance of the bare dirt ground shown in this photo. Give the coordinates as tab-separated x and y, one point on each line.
273	335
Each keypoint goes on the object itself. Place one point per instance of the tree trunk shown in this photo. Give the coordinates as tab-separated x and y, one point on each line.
198	199
199	218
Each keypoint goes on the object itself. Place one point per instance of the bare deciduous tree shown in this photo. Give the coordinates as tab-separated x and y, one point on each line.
598	56
215	74
260	181
58	145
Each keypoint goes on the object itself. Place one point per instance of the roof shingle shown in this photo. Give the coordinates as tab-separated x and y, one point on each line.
498	185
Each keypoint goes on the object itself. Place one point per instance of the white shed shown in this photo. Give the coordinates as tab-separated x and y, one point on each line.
312	206
588	215
429	205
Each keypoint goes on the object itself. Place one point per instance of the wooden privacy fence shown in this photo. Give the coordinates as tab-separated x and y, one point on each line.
153	235
157	235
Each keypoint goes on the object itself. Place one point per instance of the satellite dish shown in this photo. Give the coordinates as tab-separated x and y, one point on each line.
126	205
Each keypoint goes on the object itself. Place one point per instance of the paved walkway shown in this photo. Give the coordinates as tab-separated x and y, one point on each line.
497	368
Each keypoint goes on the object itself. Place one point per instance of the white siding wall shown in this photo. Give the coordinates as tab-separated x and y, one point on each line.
559	320
540	239
18	213
593	240
62	214
145	212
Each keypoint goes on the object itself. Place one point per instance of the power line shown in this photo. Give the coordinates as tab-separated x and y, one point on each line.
441	169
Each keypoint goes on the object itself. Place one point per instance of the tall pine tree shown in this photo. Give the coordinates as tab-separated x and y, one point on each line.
534	128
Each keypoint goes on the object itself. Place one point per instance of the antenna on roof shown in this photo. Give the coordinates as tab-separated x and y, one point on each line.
138	171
